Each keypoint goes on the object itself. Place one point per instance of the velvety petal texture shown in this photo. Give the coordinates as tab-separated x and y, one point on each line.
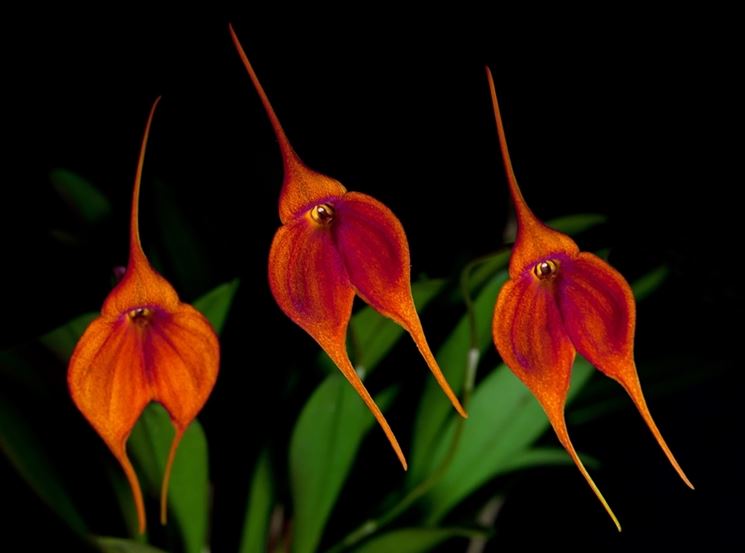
145	346
332	244
558	301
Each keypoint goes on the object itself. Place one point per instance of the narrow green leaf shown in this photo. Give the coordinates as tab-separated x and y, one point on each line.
480	271
323	447
255	536
371	335
87	202
28	455
504	422
215	304
414	540
538	456
647	284
434	408
184	250
579	222
118	545
62	340
188	500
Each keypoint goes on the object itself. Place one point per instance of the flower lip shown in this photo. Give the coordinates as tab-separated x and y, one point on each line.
327	199
140	315
546	269
322	213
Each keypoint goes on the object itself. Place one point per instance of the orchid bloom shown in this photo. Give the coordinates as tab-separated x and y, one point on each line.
333	243
559	301
145	346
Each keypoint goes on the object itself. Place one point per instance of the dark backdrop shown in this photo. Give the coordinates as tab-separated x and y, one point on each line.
627	114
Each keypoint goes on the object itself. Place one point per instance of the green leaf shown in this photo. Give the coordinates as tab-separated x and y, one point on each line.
184	249
434	408
20	444
216	303
255	536
539	456
647	284
87	202
371	335
62	340
323	447
574	224
188	493
504	422
118	545
480	271
414	540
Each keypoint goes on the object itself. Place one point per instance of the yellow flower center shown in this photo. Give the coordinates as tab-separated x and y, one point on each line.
141	316
546	269
322	214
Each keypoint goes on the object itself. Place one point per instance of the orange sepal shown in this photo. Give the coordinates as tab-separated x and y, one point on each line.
599	313
530	336
319	259
302	186
375	251
310	284
559	300
145	346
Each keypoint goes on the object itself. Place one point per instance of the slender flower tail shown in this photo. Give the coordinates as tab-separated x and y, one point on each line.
630	383
121	455
136	255
559	424
302	186
414	328
340	358
167	474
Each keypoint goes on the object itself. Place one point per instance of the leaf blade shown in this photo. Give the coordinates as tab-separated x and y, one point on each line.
323	446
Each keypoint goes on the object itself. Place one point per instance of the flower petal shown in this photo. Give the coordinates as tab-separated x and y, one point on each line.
599	313
598	309
107	382
373	246
310	284
531	339
309	281
182	358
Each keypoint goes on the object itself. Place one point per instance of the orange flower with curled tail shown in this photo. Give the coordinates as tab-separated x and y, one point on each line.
331	245
559	301
145	346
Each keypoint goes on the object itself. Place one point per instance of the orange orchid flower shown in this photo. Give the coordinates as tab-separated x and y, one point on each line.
333	243
559	301
145	346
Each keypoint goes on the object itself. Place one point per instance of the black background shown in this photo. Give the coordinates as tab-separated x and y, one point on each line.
626	114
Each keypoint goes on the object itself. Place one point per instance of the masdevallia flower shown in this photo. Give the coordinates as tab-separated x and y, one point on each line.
145	346
559	301
331	245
